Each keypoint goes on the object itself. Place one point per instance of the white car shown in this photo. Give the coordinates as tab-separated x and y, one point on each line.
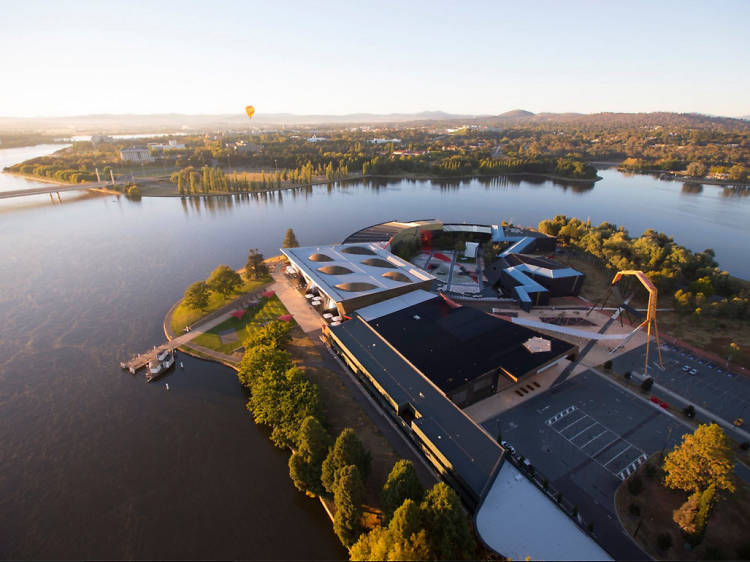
693	372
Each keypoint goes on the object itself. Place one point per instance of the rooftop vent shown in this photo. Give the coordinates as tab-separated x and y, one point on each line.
538	345
334	270
359	250
377	262
356	287
397	276
320	257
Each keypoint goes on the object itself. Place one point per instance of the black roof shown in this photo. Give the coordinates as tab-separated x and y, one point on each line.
453	346
471	452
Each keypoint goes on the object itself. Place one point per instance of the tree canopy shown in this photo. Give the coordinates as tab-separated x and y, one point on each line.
224	280
306	462
402	484
196	295
290	239
348	496
255	268
703	459
347	450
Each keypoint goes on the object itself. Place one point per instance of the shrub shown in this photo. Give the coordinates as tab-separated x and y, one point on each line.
558	497
745	445
647	384
650	470
689	411
635	485
608	365
664	541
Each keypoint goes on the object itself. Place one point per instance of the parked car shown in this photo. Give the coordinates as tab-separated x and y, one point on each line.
508	447
701	362
693	372
710	366
719	370
685	368
691	357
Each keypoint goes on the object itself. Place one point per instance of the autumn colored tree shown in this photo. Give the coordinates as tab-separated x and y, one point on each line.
704	458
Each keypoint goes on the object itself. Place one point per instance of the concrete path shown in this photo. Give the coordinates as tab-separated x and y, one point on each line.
305	316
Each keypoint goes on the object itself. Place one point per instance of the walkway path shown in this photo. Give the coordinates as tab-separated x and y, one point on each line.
305	316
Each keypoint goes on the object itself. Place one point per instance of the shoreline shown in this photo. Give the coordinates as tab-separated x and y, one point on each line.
410	177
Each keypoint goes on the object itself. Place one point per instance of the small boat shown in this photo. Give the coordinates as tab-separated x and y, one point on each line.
157	367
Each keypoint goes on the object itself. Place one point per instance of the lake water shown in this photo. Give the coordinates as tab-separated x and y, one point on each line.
95	463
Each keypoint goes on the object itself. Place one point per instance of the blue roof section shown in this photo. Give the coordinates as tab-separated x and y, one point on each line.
518	247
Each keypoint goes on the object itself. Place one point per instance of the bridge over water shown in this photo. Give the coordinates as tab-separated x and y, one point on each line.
52	188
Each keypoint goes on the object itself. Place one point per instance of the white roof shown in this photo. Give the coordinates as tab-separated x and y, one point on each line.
518	520
395	304
362	272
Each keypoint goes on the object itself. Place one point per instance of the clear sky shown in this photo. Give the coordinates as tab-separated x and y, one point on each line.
84	57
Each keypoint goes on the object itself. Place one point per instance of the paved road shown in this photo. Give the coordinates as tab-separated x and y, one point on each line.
721	394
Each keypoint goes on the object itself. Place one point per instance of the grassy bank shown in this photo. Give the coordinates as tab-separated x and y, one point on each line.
185	316
229	335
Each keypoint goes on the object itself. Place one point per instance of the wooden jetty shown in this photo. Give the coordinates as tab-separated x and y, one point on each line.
139	361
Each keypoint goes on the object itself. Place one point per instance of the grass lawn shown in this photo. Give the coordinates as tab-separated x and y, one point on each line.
725	534
254	318
184	316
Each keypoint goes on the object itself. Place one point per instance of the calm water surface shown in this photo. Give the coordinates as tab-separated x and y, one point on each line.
97	464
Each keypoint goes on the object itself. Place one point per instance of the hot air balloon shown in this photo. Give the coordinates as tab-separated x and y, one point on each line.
250	110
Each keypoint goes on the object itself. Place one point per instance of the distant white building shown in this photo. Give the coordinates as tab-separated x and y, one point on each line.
316	138
136	155
385	141
160	147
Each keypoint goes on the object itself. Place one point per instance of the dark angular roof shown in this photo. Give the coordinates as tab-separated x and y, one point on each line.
453	346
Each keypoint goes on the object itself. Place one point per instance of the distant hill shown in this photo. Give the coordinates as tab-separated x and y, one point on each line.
173	122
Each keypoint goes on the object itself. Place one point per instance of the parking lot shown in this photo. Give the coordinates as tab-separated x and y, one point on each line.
584	437
700	382
608	449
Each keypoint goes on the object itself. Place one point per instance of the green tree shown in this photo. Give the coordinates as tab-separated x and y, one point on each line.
348	496
290	240
255	268
275	333
224	280
347	450
282	402
402	484
375	545
196	295
262	359
704	458
446	524
306	462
